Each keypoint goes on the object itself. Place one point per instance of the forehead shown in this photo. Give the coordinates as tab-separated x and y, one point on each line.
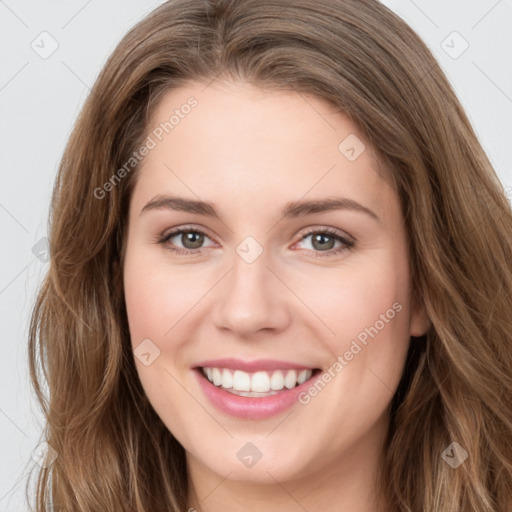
243	141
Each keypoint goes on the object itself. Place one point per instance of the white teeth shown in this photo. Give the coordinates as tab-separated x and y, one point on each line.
260	381
251	394
277	380
291	379
302	376
227	379
216	376
246	384
241	381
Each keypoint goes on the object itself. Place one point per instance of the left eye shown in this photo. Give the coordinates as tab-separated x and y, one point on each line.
324	241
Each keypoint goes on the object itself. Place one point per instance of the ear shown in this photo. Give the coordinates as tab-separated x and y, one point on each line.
420	322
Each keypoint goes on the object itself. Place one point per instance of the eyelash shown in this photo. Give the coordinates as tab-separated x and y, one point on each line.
348	244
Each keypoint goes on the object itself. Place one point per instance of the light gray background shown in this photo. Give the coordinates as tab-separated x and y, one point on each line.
41	97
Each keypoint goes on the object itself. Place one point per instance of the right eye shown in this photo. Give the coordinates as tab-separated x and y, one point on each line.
191	239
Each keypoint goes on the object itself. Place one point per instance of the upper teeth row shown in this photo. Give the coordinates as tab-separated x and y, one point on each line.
258	381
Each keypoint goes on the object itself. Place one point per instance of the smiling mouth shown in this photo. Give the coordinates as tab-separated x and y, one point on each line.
257	384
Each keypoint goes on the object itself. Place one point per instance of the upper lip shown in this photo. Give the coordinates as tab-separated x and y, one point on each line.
252	366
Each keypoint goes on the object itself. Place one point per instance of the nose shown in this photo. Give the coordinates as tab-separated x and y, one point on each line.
251	298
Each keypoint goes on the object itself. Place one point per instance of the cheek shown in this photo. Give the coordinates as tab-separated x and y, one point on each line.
365	320
357	300
156	297
154	302
144	305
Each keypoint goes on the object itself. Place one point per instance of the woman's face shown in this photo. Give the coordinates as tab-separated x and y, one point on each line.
269	284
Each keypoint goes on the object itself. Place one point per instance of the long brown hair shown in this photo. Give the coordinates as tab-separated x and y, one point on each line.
114	452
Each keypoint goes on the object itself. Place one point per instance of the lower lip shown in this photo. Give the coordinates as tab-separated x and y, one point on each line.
251	408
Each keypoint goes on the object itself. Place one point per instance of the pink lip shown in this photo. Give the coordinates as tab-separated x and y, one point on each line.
252	366
252	408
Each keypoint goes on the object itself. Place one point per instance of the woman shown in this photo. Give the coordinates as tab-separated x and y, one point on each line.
204	344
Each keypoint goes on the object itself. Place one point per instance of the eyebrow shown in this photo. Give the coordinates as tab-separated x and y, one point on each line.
292	209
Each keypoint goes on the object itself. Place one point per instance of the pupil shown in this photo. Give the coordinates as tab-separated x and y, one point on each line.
189	238
321	238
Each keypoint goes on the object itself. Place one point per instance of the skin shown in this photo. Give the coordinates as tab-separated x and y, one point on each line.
249	152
